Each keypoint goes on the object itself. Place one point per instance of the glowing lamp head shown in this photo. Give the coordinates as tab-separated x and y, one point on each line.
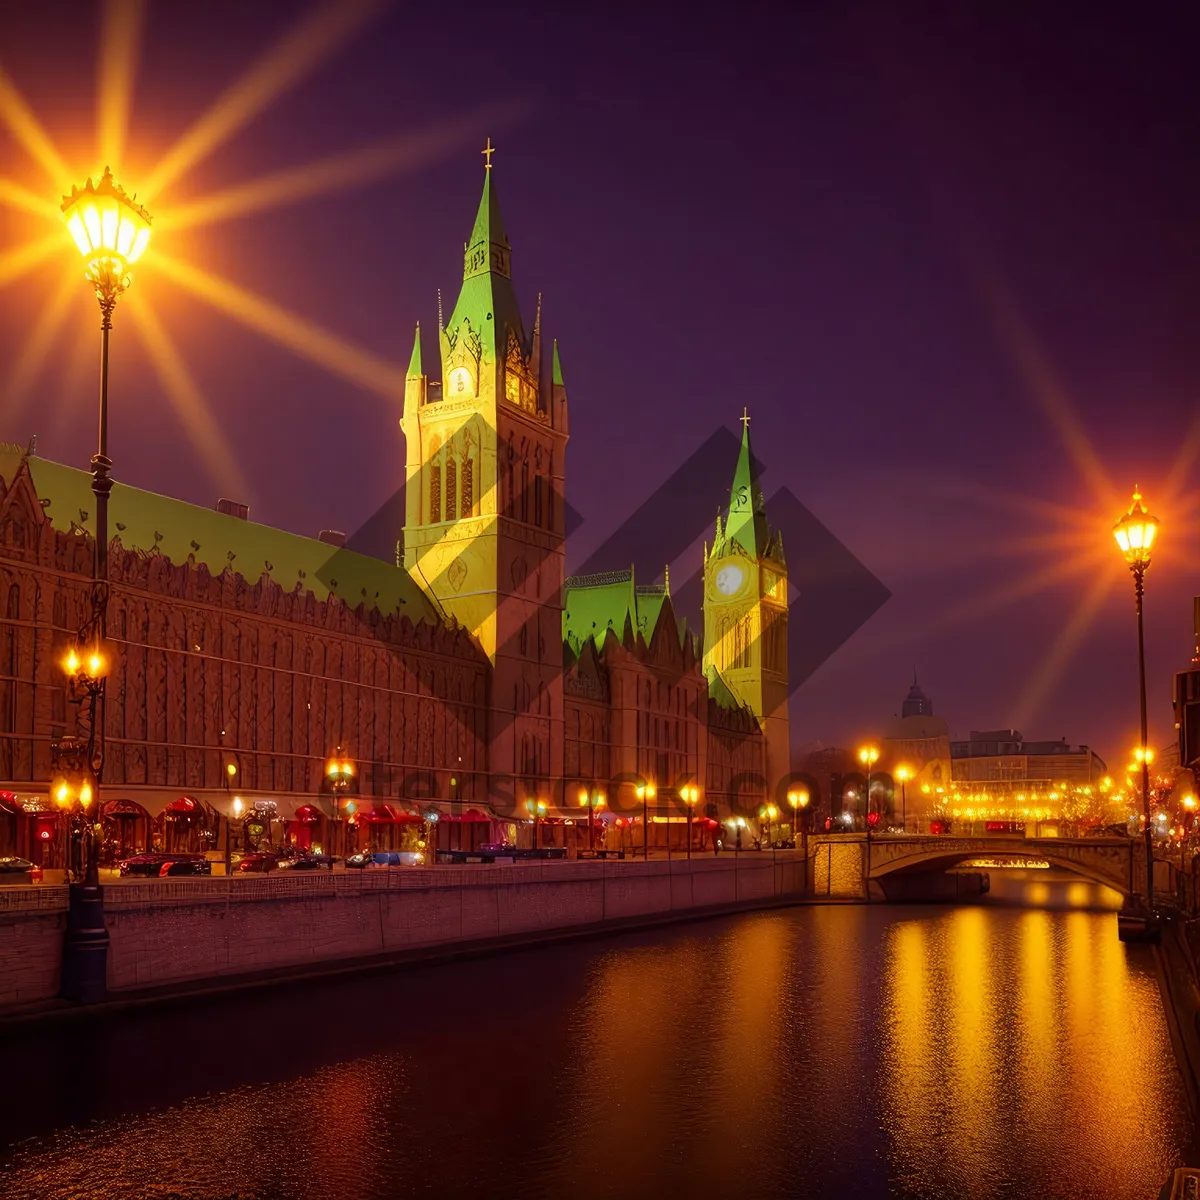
72	664
1189	802
110	229
231	769
868	756
903	774
1135	533
640	791
583	797
85	794
62	793
651	790
237	806
772	812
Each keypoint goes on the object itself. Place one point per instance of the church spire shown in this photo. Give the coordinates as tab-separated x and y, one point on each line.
747	520
414	363
488	249
487	300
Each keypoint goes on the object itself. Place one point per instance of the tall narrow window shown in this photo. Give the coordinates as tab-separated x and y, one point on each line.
525	489
451	489
468	487
435	481
509	502
539	502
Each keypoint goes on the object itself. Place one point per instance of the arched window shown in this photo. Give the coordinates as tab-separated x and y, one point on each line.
435	481
451	489
539	500
467	508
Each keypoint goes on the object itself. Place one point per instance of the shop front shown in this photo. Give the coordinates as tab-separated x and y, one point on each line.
306	830
186	826
386	827
125	830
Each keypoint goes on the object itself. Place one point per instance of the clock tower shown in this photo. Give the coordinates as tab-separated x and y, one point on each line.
746	608
484	530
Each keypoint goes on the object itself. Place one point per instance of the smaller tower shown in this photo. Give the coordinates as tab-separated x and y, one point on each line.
746	607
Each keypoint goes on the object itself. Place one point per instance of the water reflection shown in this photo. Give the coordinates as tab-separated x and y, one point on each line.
883	1051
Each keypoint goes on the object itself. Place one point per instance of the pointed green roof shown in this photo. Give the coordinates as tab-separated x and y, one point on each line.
556	369
747	521
487	298
489	226
414	363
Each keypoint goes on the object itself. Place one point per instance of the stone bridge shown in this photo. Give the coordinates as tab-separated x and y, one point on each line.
841	866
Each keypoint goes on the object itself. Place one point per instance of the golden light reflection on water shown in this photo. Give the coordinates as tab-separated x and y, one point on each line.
835	1051
1025	1035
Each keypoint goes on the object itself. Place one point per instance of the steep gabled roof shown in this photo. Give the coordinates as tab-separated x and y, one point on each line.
161	524
593	604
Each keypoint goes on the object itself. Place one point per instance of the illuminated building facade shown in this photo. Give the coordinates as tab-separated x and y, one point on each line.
466	680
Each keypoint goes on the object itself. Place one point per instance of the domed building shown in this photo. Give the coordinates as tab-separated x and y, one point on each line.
918	742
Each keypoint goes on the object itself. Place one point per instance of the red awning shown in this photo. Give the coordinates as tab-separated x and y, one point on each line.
385	812
472	815
8	803
123	808
307	814
185	804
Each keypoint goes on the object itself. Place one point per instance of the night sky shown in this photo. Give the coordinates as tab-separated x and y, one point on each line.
945	260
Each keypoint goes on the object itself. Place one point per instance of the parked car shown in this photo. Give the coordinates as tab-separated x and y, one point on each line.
15	866
385	858
152	864
259	861
185	866
308	862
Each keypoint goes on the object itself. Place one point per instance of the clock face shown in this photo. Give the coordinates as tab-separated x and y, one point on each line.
730	579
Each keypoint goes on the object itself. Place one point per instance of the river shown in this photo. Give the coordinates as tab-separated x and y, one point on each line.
990	1050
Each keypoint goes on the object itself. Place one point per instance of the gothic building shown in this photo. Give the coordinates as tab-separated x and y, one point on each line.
471	683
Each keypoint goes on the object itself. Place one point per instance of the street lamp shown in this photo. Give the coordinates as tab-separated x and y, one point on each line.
537	810
1135	533
111	231
689	794
904	775
592	800
339	773
645	792
798	798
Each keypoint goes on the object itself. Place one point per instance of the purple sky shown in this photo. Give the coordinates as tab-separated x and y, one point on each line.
806	214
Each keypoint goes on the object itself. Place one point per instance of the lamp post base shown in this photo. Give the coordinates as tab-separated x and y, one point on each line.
85	946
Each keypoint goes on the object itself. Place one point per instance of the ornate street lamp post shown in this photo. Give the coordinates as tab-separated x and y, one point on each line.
798	799
339	771
904	775
537	810
1135	533
592	800
111	231
690	794
646	792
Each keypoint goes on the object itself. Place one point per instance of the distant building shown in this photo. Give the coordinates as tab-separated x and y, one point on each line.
1186	701
998	755
917	740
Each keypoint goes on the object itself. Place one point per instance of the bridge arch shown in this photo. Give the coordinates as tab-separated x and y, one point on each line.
1104	864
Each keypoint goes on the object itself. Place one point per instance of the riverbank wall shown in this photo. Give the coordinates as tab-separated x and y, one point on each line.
175	933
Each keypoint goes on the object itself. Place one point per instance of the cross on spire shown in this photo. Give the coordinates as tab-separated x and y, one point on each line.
744	418
487	153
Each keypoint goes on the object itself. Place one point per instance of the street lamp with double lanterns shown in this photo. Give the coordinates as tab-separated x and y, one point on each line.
111	231
536	808
690	795
339	774
591	799
1135	534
